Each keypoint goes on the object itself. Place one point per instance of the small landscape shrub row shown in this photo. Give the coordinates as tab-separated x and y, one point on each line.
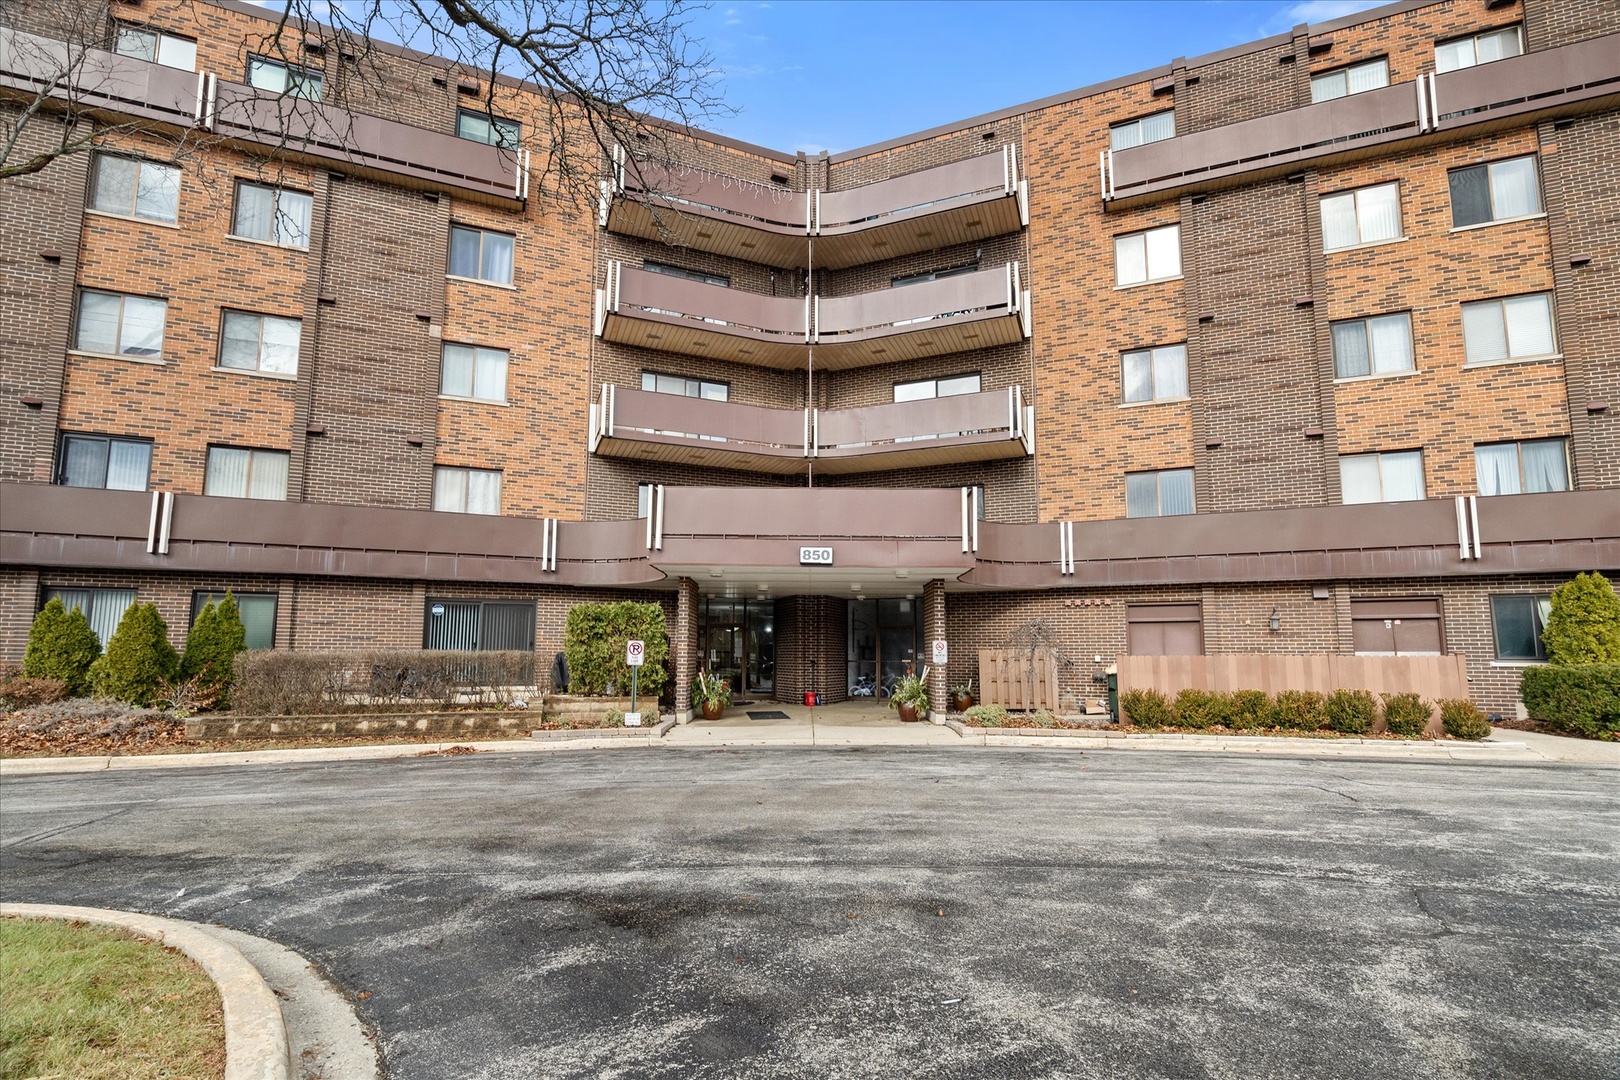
276	682
1348	712
1581	699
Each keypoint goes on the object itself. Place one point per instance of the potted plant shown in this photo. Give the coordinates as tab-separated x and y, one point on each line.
962	696
910	696
711	694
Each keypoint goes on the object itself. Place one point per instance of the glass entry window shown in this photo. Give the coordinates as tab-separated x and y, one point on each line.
739	643
884	637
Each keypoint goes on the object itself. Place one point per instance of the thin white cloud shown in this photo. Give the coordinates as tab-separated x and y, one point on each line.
1315	11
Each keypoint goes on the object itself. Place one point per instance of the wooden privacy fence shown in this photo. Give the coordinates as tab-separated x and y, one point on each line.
1434	677
1018	678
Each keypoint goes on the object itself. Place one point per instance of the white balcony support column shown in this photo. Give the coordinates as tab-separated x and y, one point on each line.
965	511
1423	105
973	519
165	523
1462	528
157	510
658	533
1023	203
1473	517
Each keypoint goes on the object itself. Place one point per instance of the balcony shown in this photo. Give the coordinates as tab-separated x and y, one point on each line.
1583	77
656	311
960	203
644	426
931	318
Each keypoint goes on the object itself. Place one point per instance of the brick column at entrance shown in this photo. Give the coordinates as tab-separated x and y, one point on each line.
683	642
934	630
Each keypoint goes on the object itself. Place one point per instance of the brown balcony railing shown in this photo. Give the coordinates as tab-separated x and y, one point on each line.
934	431
1568	78
648	426
931	318
657	311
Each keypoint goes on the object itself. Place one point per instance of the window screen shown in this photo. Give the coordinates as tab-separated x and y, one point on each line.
479	625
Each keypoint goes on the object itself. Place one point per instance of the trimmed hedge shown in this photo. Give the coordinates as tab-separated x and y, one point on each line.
1584	624
594	644
1202	708
62	646
1407	715
1298	710
1147	708
1249	710
1462	719
278	682
139	660
1583	699
1351	712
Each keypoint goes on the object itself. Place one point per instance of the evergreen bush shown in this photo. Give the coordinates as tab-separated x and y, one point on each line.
1202	708
986	716
594	643
1148	708
1298	710
1584	624
1249	709
1351	712
212	645
1462	719
1407	715
1581	699
62	646
139	659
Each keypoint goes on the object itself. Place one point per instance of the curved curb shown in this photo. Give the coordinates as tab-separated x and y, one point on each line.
255	1035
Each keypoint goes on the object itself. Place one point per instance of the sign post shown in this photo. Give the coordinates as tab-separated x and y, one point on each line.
635	654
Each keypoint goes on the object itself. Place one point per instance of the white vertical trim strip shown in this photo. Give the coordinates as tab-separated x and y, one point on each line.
1069	525
152	524
167	523
196	116
1462	529
1434	99
652	508
213	93
556	541
812	318
815	432
807	431
1423	106
964	520
1111	191
608	396
1473	514
658	533
973	519
1102	174
1012	411
545	543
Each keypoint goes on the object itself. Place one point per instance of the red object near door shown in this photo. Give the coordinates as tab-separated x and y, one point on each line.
809	698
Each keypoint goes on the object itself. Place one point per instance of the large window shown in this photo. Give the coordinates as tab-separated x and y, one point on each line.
1478	49
120	325
681	386
1396	627
155	47
1514	328
1499	191
102	607
280	78
466	491
480	255
1355	79
690	275
237	473
1164	630
1147	129
1155	374
1514	468
99	461
1153	255
1390	477
478	625
1374	346
258	612
950	386
263	343
1519	622
274	215
1166	493
1364	216
472	372
484	128
132	188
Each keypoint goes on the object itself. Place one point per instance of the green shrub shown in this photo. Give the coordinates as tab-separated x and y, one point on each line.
1407	715
594	644
61	645
1584	624
212	645
1351	712
1202	708
1462	719
615	718
1298	710
139	659
986	716
1583	699
1042	718
1249	709
1148	709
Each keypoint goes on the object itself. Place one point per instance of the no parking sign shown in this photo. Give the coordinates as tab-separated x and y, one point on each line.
635	653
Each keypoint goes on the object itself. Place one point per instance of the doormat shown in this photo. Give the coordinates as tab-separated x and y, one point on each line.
768	714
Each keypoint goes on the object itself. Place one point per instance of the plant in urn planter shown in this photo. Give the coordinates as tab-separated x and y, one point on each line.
910	696
711	694
962	696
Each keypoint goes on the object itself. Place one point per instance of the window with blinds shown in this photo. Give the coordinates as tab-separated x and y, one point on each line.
1513	328
1166	493
478	625
1397	627
1377	346
97	461
1355	79
102	607
1164	630
258	611
1396	476
1365	216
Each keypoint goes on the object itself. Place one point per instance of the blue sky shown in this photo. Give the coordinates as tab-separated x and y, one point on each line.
838	74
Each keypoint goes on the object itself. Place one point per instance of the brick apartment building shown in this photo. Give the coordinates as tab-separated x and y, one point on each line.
1309	345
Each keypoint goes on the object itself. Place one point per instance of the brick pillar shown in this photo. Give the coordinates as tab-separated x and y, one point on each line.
934	629
684	641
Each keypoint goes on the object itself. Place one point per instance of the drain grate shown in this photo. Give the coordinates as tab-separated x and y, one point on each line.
768	714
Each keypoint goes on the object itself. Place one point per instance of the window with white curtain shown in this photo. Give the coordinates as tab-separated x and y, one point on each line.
1396	476
120	325
155	47
237	473
99	461
1153	255
1165	493
1146	129
103	608
1513	328
130	187
481	255
1157	374
1478	49
1499	191
469	371
1515	468
1364	216
264	343
466	491
1519	622
1355	79
1375	346
257	611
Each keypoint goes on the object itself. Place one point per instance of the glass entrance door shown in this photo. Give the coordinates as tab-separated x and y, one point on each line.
883	642
739	643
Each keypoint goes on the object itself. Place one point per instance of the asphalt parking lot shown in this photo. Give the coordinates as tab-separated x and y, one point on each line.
904	912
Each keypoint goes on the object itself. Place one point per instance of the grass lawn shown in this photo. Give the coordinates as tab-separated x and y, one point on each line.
95	1003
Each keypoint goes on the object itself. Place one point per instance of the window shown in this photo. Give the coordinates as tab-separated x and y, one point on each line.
684	387
978	501
1515	328
480	255
1148	129
120	325
102	607
484	128
260	343
1396	627
1499	191
1147	256
258	612
1372	346
1164	630
274	215
131	188
644	498
689	275
1355	79
1389	477
950	386
165	49
236	473
1519	622
1155	374
1364	216
472	372
466	491
97	461
1159	494
478	626
1478	49
1514	468
280	78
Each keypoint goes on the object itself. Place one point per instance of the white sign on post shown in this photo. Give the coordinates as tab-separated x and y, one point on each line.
635	652
942	651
